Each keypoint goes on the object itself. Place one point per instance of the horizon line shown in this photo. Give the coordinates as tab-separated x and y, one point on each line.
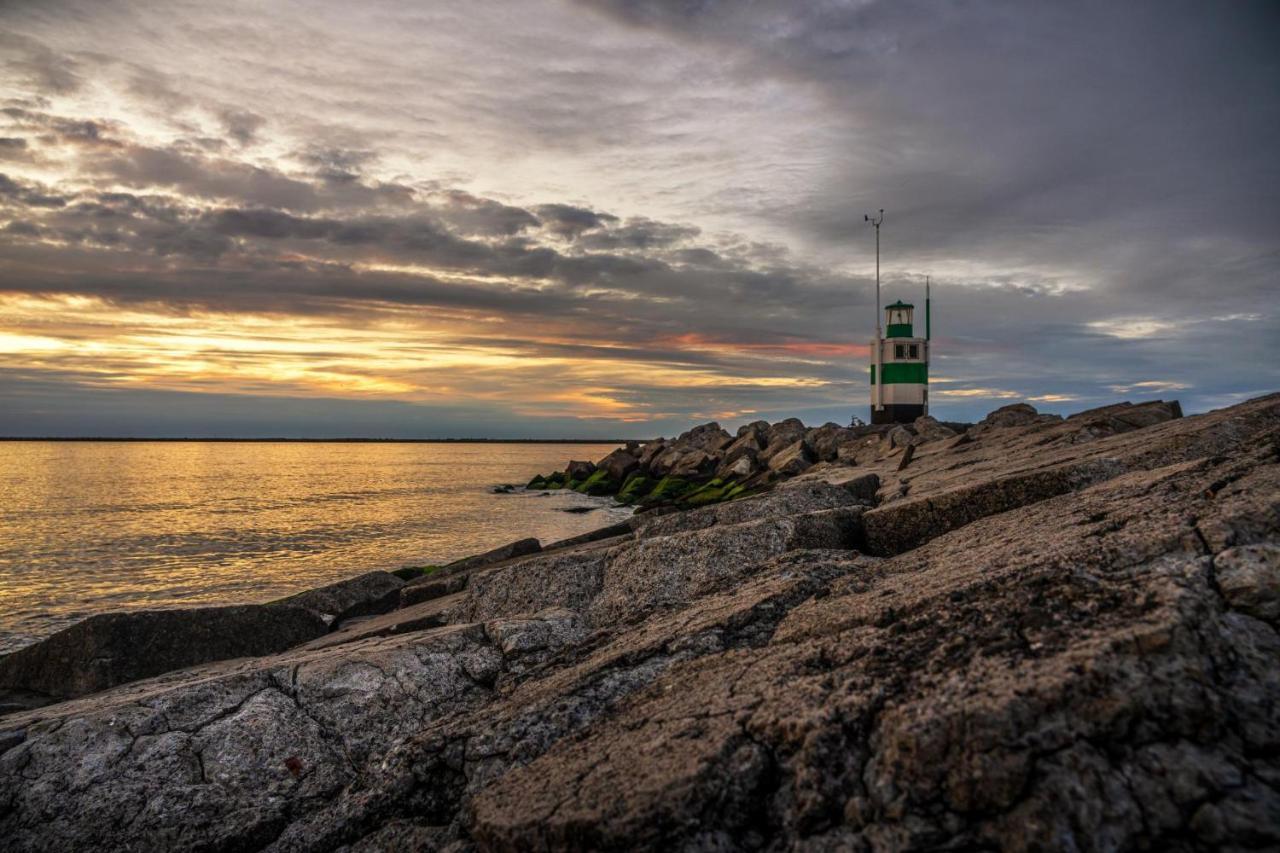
341	440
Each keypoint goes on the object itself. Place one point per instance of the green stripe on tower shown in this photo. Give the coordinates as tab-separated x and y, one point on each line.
911	373
898	330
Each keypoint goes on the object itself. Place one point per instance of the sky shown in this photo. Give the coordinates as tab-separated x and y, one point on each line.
606	219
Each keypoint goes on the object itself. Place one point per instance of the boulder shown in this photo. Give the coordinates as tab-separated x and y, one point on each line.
758	427
618	464
826	440
662	463
897	437
781	436
579	470
114	648
372	592
693	463
791	498
431	586
792	460
739	467
751	441
1017	414
708	437
860	483
663	571
518	548
858	450
928	429
651	451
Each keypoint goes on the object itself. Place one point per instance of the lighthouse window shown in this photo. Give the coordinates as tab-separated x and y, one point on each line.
914	351
899	351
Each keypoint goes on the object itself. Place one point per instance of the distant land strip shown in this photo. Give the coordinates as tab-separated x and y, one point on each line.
345	440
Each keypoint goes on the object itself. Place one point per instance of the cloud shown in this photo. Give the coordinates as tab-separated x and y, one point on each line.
645	213
37	67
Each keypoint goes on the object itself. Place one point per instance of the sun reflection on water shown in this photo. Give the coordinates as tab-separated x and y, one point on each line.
88	527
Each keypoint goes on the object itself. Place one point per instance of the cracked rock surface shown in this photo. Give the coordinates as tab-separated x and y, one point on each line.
1053	635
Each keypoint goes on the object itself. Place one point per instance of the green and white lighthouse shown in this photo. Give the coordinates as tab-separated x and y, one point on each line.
899	359
900	367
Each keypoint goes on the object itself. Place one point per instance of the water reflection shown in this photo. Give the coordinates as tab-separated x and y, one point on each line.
86	527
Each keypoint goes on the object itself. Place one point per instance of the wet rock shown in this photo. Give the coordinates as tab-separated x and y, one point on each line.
116	648
579	470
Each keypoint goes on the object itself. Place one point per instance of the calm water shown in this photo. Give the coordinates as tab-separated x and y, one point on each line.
89	527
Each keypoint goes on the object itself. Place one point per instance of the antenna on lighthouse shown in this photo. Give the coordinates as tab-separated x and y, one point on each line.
877	377
876	222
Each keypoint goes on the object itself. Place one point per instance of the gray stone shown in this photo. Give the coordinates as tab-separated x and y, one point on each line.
663	571
825	441
114	648
740	468
431	586
618	464
1249	577
792	498
792	460
579	470
519	548
928	429
372	592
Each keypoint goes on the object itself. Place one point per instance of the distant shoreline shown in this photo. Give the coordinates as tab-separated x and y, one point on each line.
341	440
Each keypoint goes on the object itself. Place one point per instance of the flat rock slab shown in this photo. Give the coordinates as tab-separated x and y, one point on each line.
428	614
114	648
372	592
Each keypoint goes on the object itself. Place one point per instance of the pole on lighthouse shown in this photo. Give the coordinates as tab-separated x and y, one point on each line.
879	342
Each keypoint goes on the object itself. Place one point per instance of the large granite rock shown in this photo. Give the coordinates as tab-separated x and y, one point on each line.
1069	643
114	648
372	592
619	464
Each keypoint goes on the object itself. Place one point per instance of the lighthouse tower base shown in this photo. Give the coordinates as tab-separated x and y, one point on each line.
899	413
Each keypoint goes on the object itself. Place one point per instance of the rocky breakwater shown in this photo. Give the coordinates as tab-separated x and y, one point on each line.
1036	633
707	465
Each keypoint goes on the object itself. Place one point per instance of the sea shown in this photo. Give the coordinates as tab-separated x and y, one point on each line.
90	527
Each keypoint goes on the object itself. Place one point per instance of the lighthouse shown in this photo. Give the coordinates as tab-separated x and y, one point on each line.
900	367
899	359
